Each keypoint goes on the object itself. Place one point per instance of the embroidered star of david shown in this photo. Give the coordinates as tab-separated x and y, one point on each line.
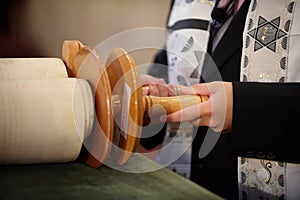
266	33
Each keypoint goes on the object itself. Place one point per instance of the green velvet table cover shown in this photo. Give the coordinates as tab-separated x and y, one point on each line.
76	180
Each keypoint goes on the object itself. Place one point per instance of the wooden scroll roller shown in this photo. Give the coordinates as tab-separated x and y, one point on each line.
83	63
120	105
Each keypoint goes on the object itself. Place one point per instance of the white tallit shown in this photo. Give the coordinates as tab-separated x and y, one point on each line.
270	54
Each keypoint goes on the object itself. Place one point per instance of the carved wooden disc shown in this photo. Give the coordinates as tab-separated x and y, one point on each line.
84	63
127	102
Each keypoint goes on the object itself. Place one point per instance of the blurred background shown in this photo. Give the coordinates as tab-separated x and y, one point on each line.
35	28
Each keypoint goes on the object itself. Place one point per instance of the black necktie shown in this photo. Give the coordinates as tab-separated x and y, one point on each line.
221	12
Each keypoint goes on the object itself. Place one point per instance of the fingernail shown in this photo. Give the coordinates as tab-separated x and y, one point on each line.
145	90
161	80
186	90
163	118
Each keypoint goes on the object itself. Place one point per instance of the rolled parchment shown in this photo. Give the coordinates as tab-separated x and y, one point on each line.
44	116
43	121
32	68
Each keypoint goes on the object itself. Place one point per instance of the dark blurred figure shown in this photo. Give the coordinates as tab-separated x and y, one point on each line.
11	43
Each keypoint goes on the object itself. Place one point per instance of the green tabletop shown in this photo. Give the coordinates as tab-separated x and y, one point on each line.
76	180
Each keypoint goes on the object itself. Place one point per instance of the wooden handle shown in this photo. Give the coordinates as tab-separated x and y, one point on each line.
169	104
174	103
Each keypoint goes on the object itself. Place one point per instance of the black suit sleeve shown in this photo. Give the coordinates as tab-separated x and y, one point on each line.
266	121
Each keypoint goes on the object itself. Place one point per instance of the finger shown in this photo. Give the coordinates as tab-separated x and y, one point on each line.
199	122
161	81
198	115
186	90
163	90
146	89
153	90
186	114
171	91
203	119
201	89
145	79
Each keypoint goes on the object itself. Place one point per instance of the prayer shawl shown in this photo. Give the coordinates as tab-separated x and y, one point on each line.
270	54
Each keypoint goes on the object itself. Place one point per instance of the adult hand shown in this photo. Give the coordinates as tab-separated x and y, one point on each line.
215	113
155	86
